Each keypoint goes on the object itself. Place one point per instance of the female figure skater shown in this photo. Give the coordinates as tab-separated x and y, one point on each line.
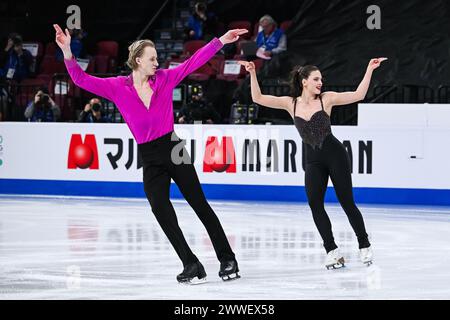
144	98
325	155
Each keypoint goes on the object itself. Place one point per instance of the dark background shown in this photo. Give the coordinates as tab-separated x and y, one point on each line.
333	35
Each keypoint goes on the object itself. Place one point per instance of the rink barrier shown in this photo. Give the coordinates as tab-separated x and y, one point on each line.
398	161
223	192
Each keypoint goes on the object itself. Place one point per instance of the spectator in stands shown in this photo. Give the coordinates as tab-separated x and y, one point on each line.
93	113
198	110
202	25
43	108
76	44
15	61
271	38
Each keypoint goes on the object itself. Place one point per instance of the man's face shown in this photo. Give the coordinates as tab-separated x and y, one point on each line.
267	27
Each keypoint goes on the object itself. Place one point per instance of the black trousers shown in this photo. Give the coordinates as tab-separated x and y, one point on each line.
332	161
160	166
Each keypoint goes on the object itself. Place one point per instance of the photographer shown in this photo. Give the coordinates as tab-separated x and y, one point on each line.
43	108
198	110
92	113
15	61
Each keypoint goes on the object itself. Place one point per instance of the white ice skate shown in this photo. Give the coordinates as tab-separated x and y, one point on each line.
366	255
334	260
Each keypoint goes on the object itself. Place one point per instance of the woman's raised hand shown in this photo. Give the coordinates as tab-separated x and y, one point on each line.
248	65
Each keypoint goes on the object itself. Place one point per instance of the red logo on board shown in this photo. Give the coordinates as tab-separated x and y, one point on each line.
219	157
82	155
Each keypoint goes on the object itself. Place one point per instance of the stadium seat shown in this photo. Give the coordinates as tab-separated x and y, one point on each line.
108	48
242	24
285	25
191	46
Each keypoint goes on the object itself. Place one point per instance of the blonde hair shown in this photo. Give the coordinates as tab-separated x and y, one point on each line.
136	49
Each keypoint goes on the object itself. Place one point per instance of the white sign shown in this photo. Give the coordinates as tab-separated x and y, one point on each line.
232	67
61	87
32	47
260	54
83	63
173	65
10	73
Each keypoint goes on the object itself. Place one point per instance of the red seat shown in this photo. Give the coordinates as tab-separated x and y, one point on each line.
37	82
191	46
210	70
101	64
91	66
216	62
203	73
108	48
66	105
285	25
241	24
112	65
50	66
44	77
258	63
50	49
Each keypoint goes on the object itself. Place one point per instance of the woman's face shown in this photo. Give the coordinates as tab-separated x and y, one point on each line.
314	82
148	62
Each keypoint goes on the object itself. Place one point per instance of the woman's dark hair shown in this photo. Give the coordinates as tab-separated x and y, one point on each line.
297	75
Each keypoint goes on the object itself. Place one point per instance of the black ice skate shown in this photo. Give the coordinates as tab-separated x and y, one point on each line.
193	273
229	270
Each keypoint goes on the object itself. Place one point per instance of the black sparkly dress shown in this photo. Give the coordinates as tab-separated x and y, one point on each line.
327	157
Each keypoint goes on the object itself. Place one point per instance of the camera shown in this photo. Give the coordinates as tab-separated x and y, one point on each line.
96	107
44	98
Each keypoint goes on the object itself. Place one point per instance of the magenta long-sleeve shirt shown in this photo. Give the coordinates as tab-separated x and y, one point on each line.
146	124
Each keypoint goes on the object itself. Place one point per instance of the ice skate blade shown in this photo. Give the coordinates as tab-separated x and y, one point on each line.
194	281
230	277
335	266
368	263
